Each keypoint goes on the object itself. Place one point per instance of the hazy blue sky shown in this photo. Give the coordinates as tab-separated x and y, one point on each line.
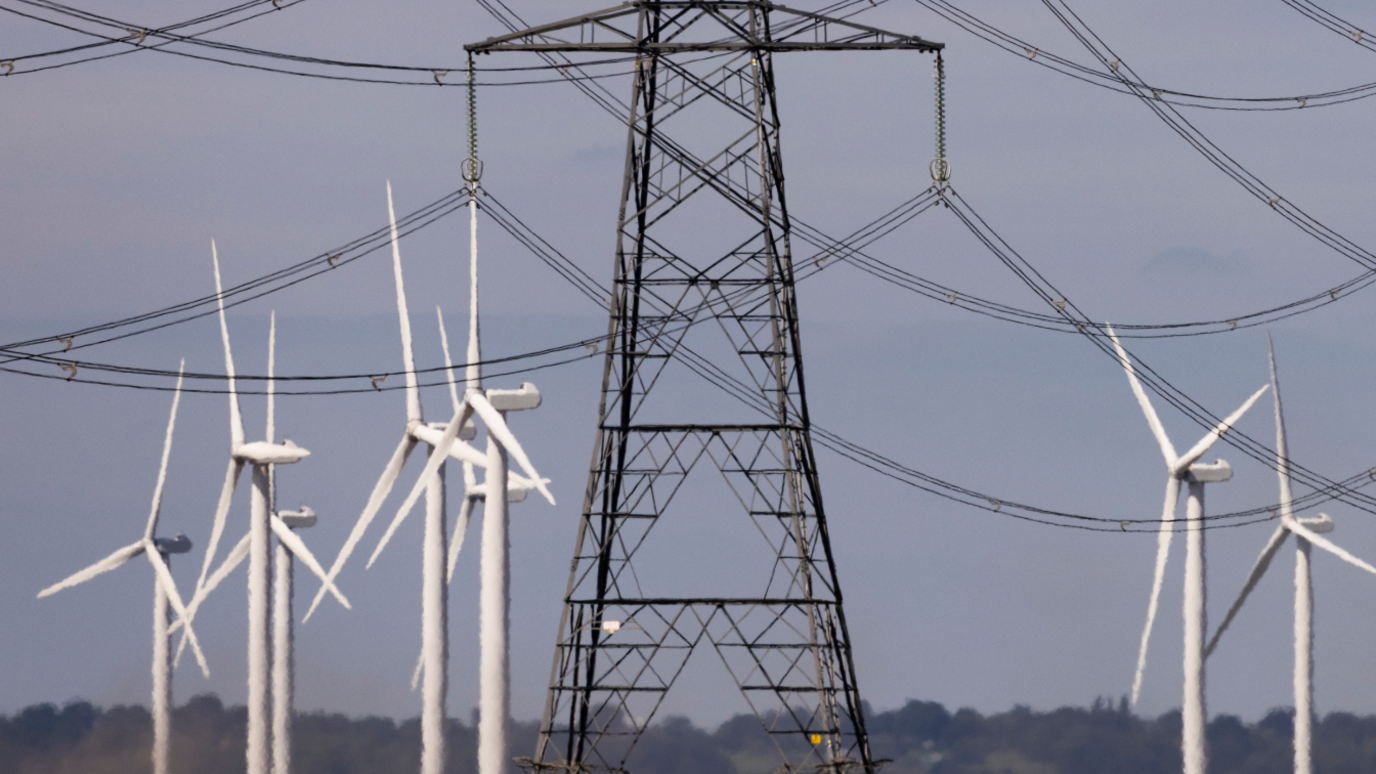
115	175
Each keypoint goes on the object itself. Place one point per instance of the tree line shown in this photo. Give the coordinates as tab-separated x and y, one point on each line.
920	738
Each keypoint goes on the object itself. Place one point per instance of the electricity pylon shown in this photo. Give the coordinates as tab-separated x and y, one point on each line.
703	236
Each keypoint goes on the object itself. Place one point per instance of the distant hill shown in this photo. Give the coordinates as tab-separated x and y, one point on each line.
920	738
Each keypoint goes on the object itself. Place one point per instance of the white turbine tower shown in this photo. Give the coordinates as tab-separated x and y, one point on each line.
283	638
158	551
262	455
1307	533
1184	468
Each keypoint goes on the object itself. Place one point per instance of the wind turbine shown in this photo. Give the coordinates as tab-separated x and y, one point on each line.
1307	533
445	442
158	550
1184	468
263	455
473	492
434	614
495	590
495	594
494	718
289	547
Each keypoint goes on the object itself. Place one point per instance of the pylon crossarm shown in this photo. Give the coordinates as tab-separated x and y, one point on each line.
801	31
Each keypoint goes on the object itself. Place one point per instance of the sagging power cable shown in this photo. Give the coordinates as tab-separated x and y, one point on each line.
1040	56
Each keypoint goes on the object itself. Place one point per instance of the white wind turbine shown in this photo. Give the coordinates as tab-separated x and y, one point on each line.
494	716
158	551
473	492
444	442
289	547
263	455
1307	533
1183	468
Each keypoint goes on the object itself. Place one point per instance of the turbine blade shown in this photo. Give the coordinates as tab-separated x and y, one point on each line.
232	561
496	426
170	586
1193	455
217	527
408	358
103	566
437	457
1287	509
380	492
460	528
1328	545
236	422
1167	449
465	453
298	547
230	564
166	454
272	385
420	667
1259	569
475	354
448	363
460	450
1163	548
272	415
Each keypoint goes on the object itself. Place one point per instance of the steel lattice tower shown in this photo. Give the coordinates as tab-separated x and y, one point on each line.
703	236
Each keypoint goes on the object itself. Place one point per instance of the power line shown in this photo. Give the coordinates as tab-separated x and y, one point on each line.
1040	56
136	36
1153	380
1333	22
713	374
1032	279
267	284
573	274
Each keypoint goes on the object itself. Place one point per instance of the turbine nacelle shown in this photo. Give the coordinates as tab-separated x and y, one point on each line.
1321	524
515	491
264	453
521	399
1210	473
298	519
177	545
